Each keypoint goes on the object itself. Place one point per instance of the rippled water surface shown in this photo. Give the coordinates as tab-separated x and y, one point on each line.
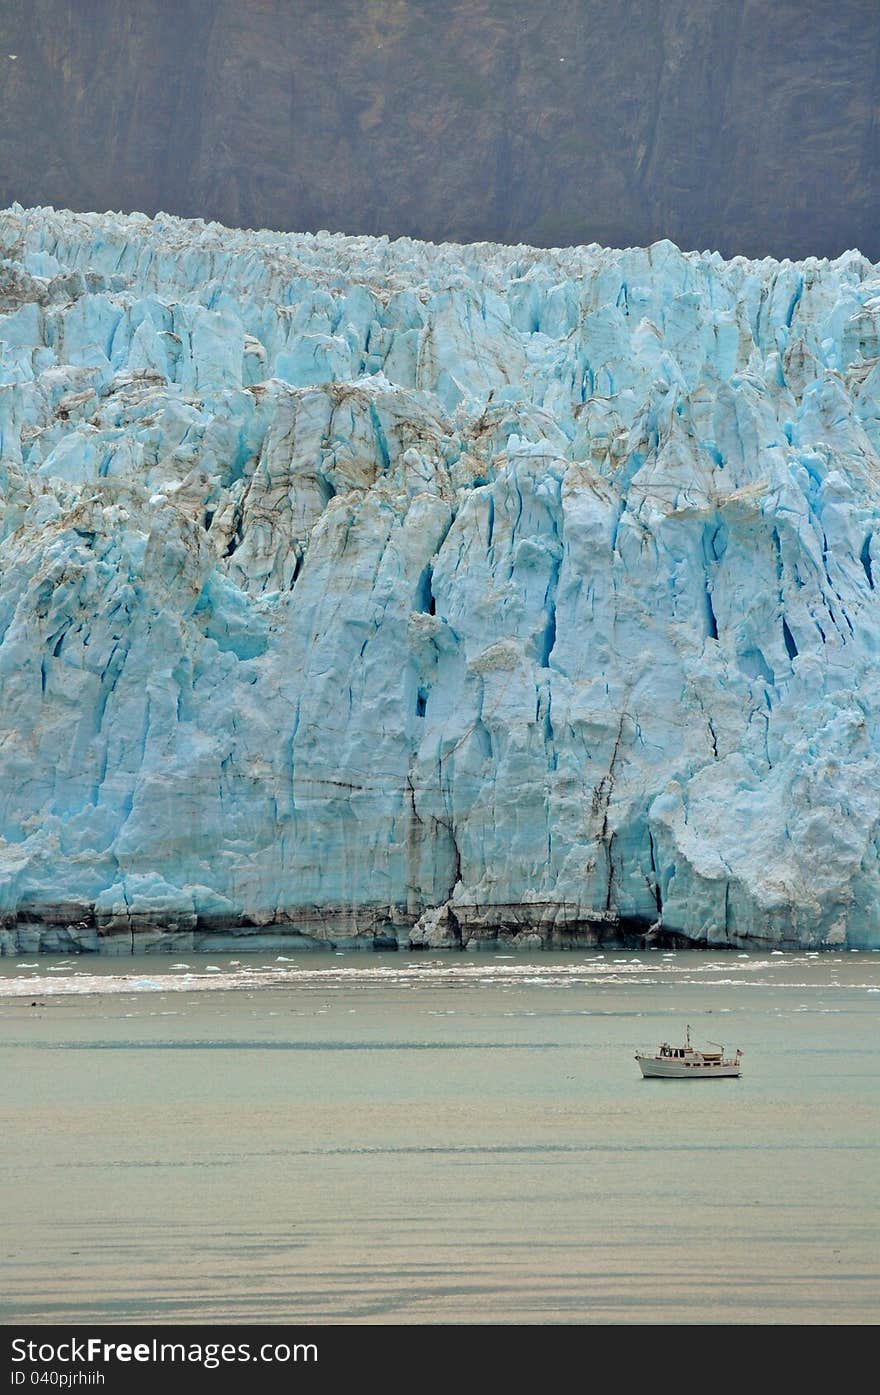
390	1138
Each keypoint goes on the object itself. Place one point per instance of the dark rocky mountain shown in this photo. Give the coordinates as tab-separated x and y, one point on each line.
731	124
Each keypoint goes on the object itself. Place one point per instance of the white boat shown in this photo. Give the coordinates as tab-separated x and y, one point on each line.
687	1063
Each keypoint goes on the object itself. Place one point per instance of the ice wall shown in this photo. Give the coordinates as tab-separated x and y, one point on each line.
385	592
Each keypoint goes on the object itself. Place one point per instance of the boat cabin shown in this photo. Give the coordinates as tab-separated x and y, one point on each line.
679	1052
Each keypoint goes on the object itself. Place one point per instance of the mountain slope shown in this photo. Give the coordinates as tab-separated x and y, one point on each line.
724	124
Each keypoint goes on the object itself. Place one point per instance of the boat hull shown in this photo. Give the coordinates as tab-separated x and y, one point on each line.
653	1069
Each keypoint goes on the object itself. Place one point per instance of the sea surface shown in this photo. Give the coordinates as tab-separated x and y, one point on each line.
449	1139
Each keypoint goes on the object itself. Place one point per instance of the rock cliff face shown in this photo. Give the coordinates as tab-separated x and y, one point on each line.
397	593
735	125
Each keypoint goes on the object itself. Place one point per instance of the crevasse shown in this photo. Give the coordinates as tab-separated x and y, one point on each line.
389	593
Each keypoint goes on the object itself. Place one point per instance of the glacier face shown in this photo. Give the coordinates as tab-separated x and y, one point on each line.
382	592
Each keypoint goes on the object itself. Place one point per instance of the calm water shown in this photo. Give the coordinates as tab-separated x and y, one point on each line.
461	1139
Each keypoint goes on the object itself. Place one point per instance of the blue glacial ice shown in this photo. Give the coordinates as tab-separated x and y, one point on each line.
389	593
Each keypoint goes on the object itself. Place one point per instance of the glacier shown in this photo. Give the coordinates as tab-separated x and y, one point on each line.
379	593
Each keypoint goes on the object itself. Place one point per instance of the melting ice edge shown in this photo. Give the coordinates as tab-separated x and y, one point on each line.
357	592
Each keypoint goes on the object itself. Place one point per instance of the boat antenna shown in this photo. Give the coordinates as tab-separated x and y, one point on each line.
688	1035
